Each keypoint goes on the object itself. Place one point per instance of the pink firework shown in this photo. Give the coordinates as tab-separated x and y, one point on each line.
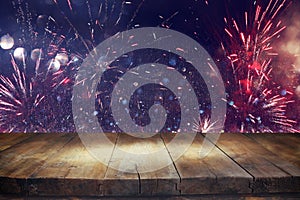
26	101
34	97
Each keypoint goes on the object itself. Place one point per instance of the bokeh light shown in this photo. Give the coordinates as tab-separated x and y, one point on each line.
7	42
20	53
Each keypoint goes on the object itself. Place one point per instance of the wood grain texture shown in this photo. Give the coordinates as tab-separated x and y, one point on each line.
43	165
286	146
214	174
19	162
71	171
137	180
271	174
7	140
22	160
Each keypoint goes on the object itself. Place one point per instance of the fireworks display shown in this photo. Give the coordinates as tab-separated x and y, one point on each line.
258	102
36	88
44	43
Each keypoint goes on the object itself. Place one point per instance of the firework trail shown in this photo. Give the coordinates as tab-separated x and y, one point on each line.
259	105
38	95
18	102
27	101
34	95
203	125
288	46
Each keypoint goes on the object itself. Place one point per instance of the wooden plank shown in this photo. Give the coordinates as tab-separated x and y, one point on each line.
12	186
19	162
271	174
118	183
214	174
71	171
7	140
59	164
137	180
286	196
161	182
286	146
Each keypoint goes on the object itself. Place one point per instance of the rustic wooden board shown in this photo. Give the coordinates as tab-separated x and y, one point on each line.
22	160
213	174
271	174
134	182
7	140
71	171
19	162
116	183
286	146
60	165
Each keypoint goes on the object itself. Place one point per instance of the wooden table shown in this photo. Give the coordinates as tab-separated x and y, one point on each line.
241	165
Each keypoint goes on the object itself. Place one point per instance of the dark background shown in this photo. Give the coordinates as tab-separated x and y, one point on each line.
203	22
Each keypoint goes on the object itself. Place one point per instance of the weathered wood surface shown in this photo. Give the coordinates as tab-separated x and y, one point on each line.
60	165
8	140
270	172
72	171
19	162
137	180
286	146
214	174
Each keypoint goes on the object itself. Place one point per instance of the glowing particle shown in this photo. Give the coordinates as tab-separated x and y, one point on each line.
54	65
180	49
20	53
135	84
6	42
283	92
74	59
66	81
172	62
62	58
124	101
259	120
166	80
35	54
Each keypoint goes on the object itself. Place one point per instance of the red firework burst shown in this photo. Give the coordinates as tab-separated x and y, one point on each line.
259	104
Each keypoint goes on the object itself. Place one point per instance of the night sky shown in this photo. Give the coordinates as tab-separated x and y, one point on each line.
74	27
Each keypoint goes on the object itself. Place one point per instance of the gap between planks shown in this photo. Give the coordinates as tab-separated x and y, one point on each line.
246	161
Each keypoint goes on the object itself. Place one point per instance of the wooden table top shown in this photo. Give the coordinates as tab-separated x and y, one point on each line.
240	164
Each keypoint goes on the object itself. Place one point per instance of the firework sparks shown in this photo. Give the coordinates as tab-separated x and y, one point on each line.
258	105
47	51
17	101
23	101
204	125
38	81
36	96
